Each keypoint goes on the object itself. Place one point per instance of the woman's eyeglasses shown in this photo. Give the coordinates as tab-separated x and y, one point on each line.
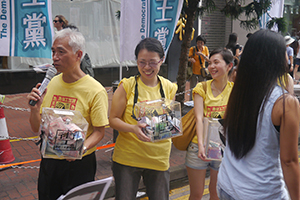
151	63
55	21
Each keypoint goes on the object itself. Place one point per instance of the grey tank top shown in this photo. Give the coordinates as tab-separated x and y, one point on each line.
258	175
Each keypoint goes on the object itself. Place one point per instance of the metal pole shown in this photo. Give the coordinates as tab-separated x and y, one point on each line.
115	132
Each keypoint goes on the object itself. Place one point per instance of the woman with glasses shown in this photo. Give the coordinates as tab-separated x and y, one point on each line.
60	22
261	126
135	156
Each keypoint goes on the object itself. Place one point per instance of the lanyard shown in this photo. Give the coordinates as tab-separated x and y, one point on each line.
136	95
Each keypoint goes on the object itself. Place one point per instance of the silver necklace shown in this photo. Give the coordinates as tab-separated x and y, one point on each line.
220	91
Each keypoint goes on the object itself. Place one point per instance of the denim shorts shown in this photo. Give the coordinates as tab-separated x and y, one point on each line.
192	160
223	195
297	61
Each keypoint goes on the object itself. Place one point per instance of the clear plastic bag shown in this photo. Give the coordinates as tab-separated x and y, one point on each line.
162	116
63	133
214	139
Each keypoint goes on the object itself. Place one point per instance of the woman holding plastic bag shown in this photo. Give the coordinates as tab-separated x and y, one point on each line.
134	155
261	126
210	100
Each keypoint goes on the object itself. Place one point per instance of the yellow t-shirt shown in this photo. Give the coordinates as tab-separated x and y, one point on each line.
213	106
85	95
196	65
285	80
131	151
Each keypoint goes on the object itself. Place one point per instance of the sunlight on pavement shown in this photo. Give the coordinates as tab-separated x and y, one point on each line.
183	193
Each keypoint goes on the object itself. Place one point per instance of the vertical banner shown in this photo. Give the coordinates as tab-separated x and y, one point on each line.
26	28
147	18
276	10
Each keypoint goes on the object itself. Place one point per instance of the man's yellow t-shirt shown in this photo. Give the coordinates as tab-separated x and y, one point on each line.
213	106
131	151
85	95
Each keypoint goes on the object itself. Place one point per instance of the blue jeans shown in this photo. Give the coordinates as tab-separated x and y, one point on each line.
223	195
127	181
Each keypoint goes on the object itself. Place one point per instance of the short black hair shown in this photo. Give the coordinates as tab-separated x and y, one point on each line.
200	38
150	44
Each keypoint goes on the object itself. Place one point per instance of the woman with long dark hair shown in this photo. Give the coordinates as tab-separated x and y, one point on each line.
233	45
261	126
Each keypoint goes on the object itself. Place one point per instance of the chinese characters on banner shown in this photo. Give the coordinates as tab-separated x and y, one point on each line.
26	28
147	18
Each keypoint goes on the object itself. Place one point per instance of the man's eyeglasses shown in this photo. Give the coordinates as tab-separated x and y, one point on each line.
55	21
151	63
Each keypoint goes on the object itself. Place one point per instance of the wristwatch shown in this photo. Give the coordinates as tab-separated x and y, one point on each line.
84	150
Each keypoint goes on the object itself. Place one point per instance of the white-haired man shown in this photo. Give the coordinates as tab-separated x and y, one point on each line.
71	89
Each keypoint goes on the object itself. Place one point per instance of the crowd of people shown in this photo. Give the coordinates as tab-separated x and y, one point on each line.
261	120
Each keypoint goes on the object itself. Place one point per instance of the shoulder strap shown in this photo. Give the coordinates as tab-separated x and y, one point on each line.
204	84
194	50
136	94
200	60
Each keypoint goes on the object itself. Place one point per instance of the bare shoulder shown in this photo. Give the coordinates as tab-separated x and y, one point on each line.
287	100
287	104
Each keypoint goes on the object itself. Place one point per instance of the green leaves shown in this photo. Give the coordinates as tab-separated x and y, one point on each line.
280	22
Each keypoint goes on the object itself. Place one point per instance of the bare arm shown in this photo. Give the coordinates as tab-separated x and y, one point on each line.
198	109
292	63
35	116
289	127
238	52
206	58
290	84
95	137
118	107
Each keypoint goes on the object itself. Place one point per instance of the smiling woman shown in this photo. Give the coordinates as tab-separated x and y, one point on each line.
134	155
210	100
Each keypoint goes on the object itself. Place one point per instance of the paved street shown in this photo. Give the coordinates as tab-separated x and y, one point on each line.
20	182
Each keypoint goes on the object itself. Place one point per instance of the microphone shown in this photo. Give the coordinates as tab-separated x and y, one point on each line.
49	75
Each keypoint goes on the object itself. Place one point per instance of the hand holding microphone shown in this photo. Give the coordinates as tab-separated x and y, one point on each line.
49	75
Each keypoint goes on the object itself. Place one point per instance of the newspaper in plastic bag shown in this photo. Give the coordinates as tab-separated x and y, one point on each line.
162	116
63	133
214	139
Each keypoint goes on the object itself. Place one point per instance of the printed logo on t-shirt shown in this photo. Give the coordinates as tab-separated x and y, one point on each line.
63	102
215	111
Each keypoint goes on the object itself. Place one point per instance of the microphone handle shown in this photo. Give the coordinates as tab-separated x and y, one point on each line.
42	89
32	102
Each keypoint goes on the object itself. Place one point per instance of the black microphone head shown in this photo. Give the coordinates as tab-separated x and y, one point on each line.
51	72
